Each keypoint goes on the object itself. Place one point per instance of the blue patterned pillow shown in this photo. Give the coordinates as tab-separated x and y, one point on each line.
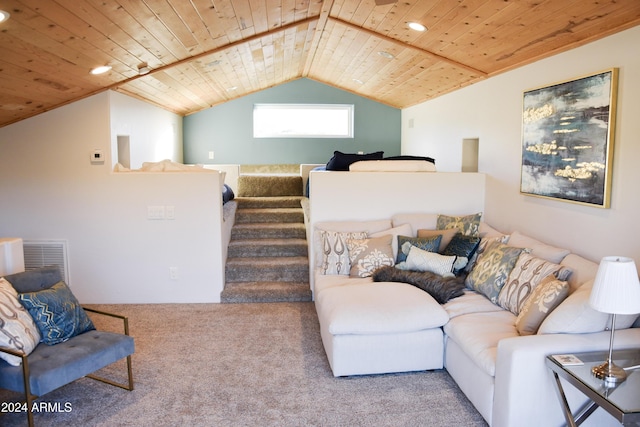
463	247
57	313
430	244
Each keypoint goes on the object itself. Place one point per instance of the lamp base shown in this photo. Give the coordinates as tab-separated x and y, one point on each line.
609	372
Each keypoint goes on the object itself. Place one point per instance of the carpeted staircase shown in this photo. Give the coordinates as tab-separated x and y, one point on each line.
268	257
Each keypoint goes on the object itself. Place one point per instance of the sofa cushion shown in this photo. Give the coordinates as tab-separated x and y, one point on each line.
335	253
447	236
465	224
322	281
367	255
442	289
430	244
417	221
470	302
524	278
539	249
542	301
378	308
492	269
35	280
583	270
57	313
17	329
478	335
396	232
575	316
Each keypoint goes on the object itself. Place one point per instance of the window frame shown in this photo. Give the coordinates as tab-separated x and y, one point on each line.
301	109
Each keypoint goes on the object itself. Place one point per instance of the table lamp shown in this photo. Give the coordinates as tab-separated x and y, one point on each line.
616	290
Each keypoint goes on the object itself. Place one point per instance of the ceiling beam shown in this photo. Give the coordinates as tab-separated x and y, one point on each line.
327	5
409	46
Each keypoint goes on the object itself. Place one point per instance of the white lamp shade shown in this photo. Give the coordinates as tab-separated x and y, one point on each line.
616	288
11	255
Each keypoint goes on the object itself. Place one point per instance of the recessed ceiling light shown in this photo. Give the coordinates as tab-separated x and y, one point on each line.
386	54
417	26
358	81
4	15
101	70
143	68
229	89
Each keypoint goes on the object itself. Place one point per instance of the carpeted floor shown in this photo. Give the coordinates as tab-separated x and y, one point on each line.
245	365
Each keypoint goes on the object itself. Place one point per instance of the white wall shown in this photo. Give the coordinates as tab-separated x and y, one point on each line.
492	111
154	134
50	190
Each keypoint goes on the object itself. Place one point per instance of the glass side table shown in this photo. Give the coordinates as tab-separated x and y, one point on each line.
621	400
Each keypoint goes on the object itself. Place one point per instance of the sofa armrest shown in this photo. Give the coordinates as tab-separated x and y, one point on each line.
125	320
525	393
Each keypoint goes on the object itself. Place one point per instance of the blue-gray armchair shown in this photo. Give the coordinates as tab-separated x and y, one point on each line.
60	359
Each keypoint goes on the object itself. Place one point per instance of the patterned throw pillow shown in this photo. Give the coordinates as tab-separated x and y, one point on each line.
17	329
463	247
367	255
523	279
481	247
466	224
431	244
446	235
421	260
542	301
335	255
57	313
492	269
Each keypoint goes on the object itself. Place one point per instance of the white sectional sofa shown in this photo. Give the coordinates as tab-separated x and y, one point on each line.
372	327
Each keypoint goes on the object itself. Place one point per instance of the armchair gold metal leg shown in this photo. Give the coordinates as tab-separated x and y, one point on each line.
128	386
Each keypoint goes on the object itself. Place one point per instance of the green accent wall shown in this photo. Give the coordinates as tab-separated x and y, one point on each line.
227	129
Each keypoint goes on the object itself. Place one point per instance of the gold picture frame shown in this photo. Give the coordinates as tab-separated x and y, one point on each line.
568	138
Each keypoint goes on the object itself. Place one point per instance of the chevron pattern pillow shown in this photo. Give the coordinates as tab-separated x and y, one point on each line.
57	313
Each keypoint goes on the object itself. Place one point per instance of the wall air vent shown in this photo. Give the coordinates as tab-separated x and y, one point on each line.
38	253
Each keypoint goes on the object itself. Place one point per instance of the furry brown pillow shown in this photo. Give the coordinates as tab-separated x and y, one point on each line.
442	289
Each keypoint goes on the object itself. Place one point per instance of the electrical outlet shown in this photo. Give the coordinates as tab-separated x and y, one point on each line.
173	273
170	212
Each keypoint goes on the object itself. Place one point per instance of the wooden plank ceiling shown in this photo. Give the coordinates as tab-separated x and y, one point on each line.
205	52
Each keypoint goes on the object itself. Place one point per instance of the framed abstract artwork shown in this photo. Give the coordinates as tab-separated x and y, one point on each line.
567	139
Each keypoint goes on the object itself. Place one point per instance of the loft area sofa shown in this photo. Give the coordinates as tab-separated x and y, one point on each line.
520	300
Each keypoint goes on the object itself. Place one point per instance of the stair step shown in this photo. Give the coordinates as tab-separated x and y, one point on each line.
268	248
269	202
270	269
260	185
270	215
269	231
247	292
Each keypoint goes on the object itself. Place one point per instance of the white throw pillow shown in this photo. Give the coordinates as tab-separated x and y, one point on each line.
575	316
421	260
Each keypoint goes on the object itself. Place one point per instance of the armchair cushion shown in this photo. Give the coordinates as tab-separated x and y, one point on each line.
35	280
51	367
57	313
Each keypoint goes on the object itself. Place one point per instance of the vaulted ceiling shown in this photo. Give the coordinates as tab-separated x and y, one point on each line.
200	53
